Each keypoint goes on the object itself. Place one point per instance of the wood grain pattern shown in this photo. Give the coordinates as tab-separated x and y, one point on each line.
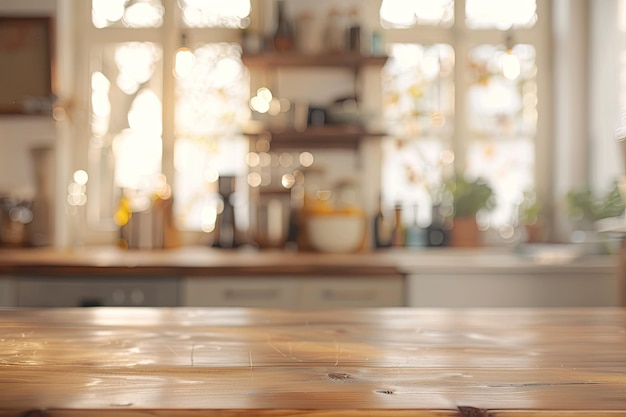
373	362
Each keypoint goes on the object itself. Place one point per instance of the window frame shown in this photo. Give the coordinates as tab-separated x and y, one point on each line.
95	230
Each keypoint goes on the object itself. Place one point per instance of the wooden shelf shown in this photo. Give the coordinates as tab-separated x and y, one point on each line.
295	59
326	137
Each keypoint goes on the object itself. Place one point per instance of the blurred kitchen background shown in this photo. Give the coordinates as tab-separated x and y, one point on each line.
172	123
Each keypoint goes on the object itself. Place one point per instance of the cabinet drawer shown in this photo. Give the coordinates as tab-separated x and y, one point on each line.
239	292
342	292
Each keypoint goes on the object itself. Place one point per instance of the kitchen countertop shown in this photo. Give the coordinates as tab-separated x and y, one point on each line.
204	261
255	362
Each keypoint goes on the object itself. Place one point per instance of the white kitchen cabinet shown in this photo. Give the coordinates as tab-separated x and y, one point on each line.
7	292
305	292
539	289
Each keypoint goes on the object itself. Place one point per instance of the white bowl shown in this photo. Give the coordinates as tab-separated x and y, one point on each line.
336	232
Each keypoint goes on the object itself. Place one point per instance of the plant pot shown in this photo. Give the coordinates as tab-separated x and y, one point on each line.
465	233
534	233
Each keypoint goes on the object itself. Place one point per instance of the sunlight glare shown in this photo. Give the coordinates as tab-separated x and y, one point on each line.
106	11
145	113
141	15
215	13
500	14
183	62
510	66
136	64
394	13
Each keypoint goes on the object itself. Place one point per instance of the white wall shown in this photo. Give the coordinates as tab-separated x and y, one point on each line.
28	7
571	113
19	133
606	46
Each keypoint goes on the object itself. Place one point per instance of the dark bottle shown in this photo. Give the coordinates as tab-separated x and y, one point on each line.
283	36
381	231
354	32
398	232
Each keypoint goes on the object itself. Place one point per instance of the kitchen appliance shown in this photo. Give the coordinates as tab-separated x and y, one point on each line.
226	227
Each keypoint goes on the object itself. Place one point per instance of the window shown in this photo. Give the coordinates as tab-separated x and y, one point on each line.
464	102
150	129
130	14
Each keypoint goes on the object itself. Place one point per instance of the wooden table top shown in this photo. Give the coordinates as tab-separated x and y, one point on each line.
252	362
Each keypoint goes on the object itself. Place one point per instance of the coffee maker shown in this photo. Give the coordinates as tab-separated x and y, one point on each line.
226	230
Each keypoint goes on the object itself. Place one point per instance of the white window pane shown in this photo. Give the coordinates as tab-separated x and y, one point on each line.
418	94
508	166
215	13
401	14
211	102
418	90
412	172
126	145
482	14
213	98
127	13
498	106
502	124
137	160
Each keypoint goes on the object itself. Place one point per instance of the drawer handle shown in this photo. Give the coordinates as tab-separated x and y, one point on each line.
349	295
252	294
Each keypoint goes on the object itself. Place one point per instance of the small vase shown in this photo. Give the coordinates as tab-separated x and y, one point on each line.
465	233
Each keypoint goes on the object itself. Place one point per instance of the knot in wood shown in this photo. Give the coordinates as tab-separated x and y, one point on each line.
339	376
384	391
472	412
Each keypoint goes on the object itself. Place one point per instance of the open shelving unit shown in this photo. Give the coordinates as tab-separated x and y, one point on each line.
323	137
331	136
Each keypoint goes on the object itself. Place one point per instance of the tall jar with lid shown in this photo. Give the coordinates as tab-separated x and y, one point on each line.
335	32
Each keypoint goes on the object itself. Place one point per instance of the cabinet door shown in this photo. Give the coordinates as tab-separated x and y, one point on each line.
239	292
345	292
514	290
7	292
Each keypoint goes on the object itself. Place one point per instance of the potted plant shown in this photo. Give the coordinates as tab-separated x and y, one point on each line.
585	208
468	197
